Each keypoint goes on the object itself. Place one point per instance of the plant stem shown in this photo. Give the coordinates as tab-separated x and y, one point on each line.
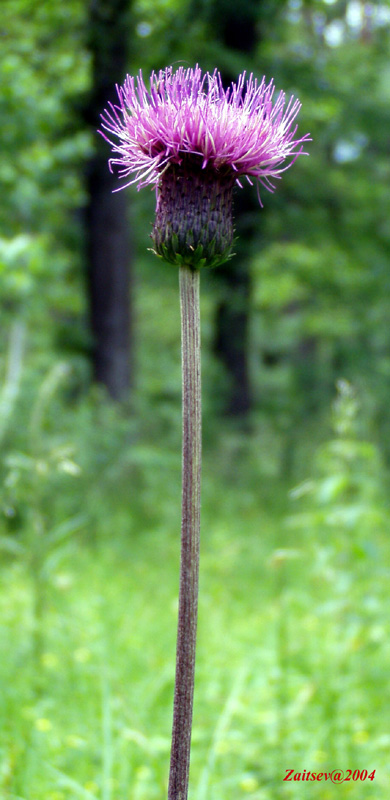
190	530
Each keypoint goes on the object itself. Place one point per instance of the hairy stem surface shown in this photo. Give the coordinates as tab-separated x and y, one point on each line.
190	529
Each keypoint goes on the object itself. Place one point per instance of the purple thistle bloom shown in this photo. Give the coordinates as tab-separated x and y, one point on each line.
195	141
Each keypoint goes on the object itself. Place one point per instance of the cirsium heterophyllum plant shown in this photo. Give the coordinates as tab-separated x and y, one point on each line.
195	141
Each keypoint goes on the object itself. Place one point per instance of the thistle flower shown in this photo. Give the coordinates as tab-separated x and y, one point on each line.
195	140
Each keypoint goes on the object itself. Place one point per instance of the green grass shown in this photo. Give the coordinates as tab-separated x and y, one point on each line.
292	668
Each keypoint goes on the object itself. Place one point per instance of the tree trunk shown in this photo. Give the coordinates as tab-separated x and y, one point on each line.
107	227
240	28
235	26
232	331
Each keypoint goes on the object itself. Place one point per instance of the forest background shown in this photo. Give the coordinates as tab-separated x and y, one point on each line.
294	622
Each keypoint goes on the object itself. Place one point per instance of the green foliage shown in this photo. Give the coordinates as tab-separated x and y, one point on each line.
293	655
44	70
101	725
320	279
345	500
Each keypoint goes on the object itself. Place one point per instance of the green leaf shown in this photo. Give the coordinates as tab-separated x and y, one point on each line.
61	533
11	546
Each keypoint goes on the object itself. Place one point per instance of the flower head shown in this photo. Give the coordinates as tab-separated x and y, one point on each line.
186	124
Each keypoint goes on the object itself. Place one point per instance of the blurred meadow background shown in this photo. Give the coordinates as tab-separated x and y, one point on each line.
294	646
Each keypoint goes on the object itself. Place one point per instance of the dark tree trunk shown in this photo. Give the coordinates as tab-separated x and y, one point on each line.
231	341
235	26
239	27
107	227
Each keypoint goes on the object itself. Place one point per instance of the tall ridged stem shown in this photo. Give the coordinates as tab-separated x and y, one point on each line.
190	531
